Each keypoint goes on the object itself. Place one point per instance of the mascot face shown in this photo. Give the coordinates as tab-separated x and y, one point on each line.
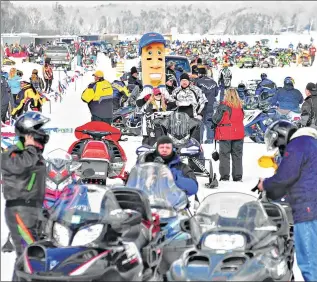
153	64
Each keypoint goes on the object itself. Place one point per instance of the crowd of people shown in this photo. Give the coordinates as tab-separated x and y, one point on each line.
18	94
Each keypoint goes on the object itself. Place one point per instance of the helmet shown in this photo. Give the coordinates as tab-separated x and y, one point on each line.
241	85
289	81
278	135
31	123
263	76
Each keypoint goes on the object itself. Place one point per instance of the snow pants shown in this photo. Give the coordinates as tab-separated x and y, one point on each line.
4	110
305	235
23	224
233	148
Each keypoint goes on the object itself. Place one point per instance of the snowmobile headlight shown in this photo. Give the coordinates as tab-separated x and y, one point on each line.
61	234
224	242
87	235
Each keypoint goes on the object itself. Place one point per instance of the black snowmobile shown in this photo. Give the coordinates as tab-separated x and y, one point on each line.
238	237
185	133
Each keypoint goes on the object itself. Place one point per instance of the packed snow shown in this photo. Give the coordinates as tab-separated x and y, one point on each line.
72	112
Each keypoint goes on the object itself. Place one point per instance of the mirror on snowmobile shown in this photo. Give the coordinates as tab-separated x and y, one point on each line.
143	149
89	172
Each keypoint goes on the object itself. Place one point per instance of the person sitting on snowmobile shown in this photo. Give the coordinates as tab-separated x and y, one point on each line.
134	80
164	153
23	172
120	93
27	94
265	84
288	98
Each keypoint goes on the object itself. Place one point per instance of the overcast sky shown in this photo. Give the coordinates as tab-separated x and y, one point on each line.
96	3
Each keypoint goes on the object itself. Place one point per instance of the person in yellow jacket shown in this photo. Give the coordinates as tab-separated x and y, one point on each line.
27	96
98	95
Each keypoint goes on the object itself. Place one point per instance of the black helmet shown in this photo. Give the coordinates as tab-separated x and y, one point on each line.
278	135
31	123
263	76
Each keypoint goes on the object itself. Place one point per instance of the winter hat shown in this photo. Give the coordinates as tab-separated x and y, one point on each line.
311	86
202	70
163	140
133	70
194	69
184	76
199	61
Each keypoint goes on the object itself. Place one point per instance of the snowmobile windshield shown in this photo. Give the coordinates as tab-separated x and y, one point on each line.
179	126
157	181
82	213
228	221
81	205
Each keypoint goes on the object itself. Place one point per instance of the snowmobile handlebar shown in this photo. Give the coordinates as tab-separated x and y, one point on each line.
97	135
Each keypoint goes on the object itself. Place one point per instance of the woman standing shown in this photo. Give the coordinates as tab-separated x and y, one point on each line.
228	121
48	77
36	81
14	83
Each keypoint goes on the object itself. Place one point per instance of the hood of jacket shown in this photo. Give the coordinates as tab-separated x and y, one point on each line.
305	131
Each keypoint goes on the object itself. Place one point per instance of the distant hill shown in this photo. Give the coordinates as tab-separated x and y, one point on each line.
236	17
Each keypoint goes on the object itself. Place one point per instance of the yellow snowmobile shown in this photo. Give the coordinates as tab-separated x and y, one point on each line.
8	62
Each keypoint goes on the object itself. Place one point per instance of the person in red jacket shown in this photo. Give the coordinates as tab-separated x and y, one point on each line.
312	52
229	130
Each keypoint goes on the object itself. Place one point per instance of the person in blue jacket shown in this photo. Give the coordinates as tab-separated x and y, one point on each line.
296	177
184	177
265	84
287	98
14	81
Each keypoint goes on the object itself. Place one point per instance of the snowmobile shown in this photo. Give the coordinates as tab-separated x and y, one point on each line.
90	239
97	147
185	133
7	62
237	237
120	118
153	182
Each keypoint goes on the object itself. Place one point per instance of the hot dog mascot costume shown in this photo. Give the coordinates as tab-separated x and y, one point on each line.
152	52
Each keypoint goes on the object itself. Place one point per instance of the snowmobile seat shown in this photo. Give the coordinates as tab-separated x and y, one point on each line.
133	199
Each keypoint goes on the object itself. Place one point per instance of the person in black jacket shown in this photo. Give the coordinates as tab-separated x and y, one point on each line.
210	88
134	80
170	70
309	107
5	98
24	172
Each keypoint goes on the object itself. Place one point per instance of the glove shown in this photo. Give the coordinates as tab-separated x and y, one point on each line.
256	188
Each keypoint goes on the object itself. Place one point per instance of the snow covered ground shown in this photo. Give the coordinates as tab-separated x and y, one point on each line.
72	112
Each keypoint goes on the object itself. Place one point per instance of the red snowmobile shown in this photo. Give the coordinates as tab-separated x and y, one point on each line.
98	148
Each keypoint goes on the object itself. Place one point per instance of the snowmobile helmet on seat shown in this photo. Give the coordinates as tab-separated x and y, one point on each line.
289	81
58	166
278	135
263	76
